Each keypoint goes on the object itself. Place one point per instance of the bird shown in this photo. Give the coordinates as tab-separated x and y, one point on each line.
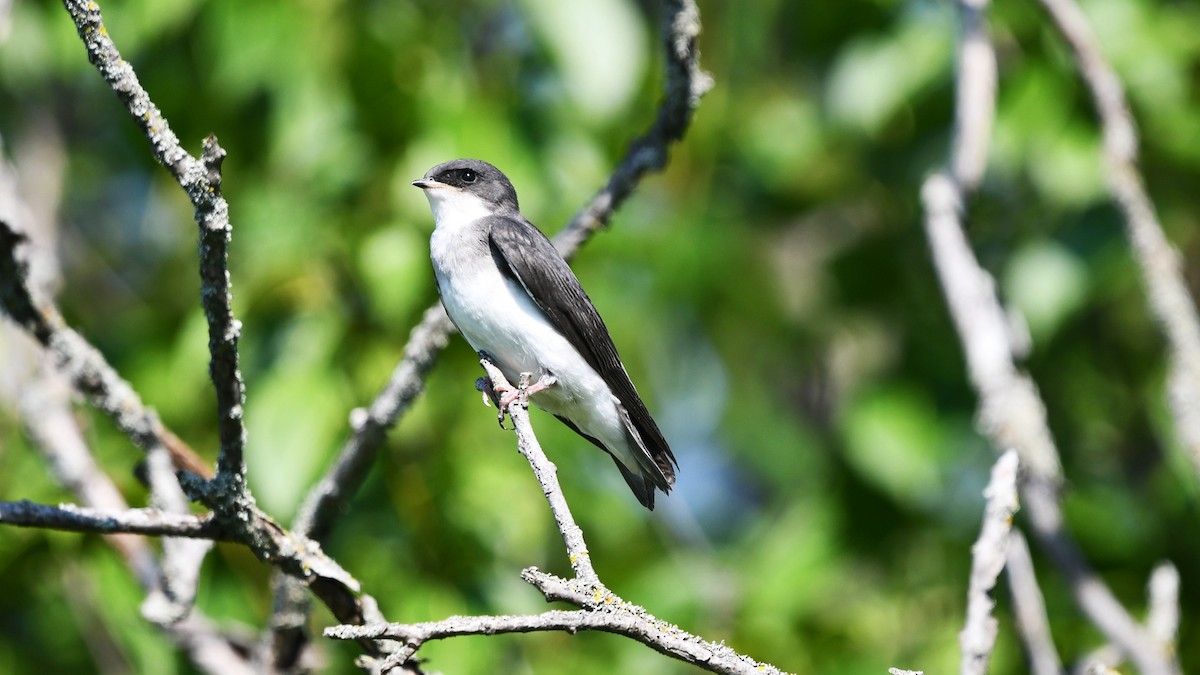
518	303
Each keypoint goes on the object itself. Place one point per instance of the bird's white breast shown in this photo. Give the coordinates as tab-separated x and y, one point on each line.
496	315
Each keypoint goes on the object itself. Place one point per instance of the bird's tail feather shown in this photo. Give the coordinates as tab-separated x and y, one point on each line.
641	484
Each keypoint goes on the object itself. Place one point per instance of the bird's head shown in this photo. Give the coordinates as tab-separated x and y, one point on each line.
468	186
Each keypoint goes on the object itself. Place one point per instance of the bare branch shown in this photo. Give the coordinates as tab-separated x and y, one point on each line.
1013	416
686	84
132	521
329	498
1167	290
201	180
179	569
975	91
1011	411
85	367
1089	590
226	495
1030	609
1162	620
92	375
978	637
43	400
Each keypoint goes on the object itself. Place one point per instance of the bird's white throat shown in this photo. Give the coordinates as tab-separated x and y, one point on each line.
455	208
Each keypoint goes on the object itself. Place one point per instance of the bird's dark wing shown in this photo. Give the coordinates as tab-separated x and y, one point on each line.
523	253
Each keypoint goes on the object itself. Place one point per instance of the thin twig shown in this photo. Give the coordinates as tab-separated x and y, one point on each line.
1162	618
978	636
1090	592
1029	608
686	83
1162	273
182	558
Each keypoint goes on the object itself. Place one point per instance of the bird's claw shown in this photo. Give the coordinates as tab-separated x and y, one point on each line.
501	397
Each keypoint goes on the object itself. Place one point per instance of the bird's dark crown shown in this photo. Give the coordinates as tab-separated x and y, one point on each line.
477	177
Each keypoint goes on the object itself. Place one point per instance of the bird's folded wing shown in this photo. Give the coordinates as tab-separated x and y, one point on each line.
522	252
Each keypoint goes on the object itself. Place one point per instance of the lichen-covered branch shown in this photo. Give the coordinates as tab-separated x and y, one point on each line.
200	178
232	505
91	374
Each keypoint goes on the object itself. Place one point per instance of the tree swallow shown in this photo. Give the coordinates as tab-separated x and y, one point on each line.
517	302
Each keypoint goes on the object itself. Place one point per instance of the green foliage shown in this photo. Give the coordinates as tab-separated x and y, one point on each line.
771	293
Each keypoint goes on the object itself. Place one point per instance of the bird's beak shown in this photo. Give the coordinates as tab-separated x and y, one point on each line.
426	183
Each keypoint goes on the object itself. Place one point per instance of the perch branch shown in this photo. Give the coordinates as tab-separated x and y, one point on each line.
600	609
630	621
978	637
1162	275
547	477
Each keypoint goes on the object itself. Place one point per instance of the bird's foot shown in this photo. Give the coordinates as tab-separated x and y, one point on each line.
544	382
497	391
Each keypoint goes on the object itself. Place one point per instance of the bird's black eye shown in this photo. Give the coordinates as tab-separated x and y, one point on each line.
468	176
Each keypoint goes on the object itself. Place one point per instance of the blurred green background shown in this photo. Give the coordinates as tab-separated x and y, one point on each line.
771	294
